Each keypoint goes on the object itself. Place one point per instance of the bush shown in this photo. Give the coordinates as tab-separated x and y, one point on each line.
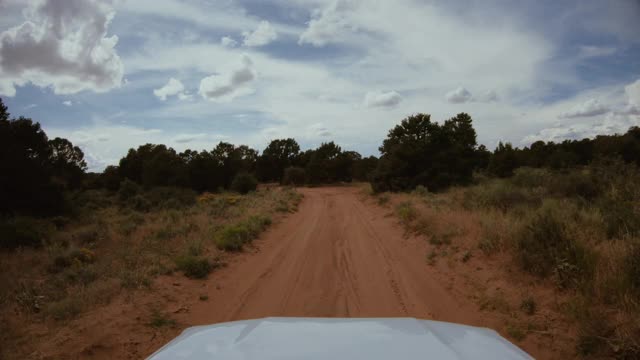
194	267
128	189
620	217
171	197
294	176
233	237
65	308
574	184
545	248
632	269
500	195
407	212
244	183
531	177
23	231
139	203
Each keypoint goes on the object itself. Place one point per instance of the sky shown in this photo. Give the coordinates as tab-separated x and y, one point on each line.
110	75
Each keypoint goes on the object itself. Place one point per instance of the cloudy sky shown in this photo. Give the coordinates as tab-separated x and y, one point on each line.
114	74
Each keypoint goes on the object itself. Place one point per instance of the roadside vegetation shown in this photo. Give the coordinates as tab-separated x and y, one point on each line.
564	213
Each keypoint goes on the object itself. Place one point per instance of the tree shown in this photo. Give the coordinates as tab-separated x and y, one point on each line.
421	152
244	183
4	111
504	161
26	170
67	162
294	176
154	165
277	156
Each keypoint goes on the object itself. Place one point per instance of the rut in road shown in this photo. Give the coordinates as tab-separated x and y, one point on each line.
335	257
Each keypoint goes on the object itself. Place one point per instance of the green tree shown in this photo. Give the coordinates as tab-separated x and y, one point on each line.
67	162
277	156
421	152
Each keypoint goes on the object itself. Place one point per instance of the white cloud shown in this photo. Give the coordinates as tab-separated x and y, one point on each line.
261	36
611	124
67	103
231	84
458	96
30	106
591	107
327	25
173	87
63	45
382	99
632	92
586	51
228	42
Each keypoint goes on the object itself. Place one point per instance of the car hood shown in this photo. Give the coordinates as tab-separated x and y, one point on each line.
333	338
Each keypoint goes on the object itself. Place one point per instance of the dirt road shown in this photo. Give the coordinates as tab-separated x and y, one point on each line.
335	257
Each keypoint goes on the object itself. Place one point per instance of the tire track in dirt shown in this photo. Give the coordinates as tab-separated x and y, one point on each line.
335	257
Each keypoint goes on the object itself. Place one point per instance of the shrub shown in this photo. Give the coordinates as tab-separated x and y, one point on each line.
620	217
383	199
528	305
632	269
64	309
501	195
23	231
194	267
574	184
139	203
531	177
244	183
545	247
233	237
171	197
293	176
159	320
127	190
406	212
421	190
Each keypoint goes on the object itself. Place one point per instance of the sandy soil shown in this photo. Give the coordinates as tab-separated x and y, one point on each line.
340	255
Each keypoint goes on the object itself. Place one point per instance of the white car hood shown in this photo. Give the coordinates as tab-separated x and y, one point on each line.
333	338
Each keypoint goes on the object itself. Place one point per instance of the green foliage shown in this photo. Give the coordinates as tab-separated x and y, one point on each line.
631	268
23	231
233	237
294	176
165	197
500	195
244	183
503	161
195	267
127	190
406	212
159	319
545	247
279	155
421	152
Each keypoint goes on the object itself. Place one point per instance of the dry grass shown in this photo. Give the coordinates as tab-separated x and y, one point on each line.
572	230
110	249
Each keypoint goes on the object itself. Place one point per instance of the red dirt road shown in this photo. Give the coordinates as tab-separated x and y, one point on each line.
336	257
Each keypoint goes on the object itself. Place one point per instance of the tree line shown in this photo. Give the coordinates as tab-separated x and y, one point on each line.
36	172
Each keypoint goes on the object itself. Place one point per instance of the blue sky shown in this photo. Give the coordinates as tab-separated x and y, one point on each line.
115	74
